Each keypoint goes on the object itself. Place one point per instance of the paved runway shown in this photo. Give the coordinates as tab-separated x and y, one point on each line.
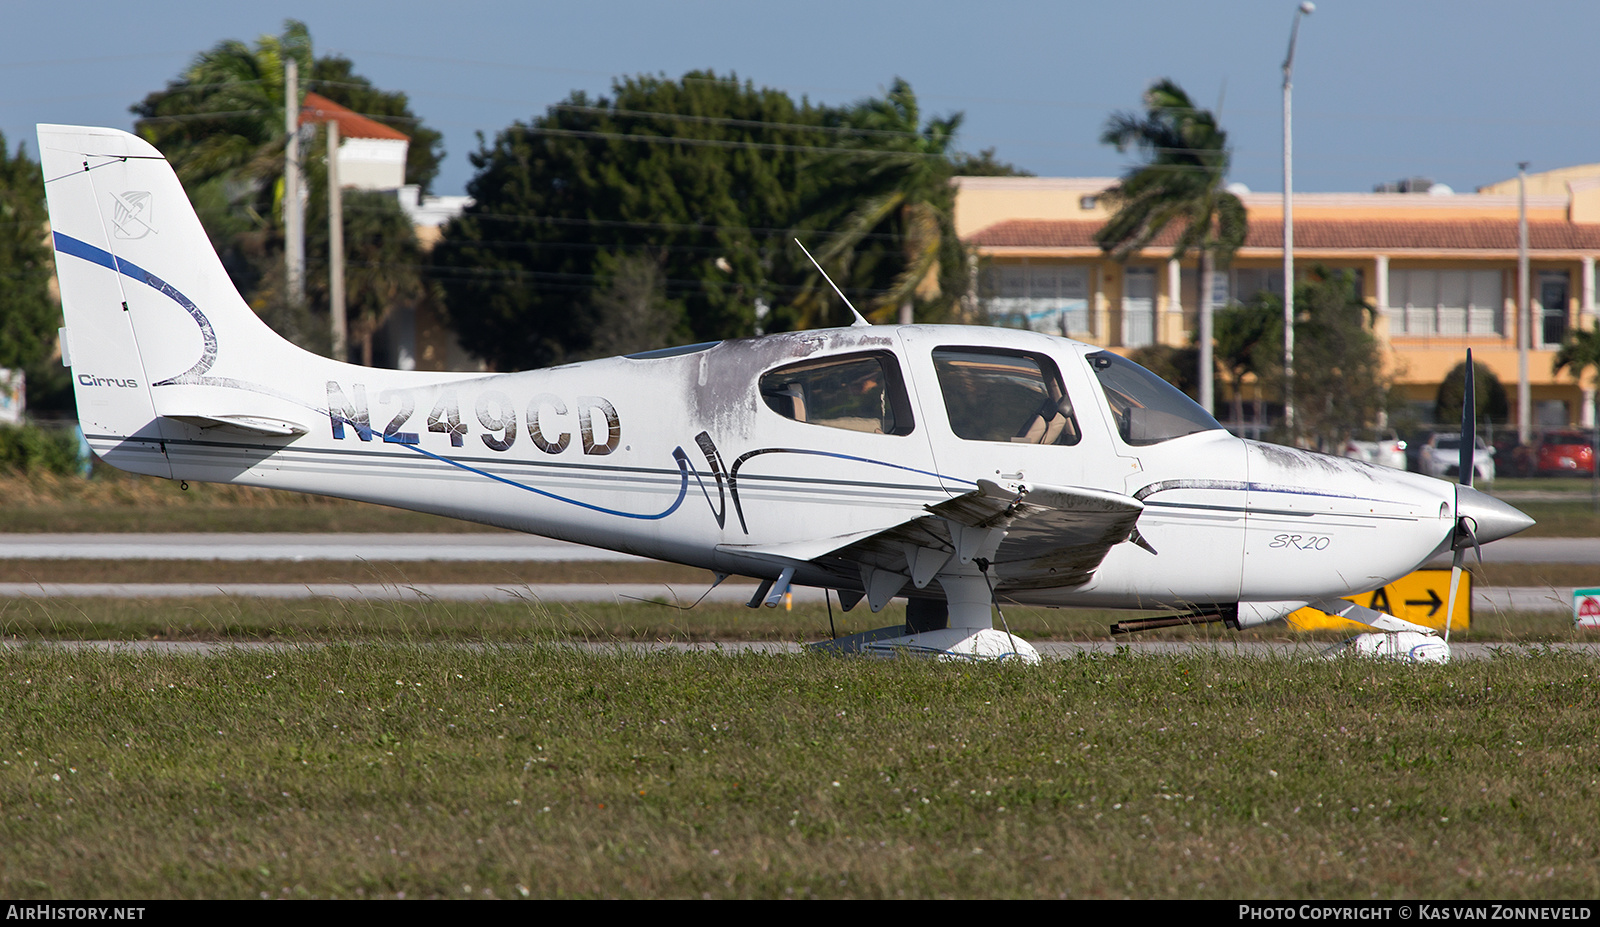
499	547
510	547
503	546
1492	599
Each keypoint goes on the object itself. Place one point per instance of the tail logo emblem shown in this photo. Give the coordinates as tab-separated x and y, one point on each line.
132	214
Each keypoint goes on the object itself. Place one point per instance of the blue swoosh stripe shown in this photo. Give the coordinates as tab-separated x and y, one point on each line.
677	454
66	244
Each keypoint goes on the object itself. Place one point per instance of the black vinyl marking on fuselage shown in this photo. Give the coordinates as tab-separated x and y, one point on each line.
714	460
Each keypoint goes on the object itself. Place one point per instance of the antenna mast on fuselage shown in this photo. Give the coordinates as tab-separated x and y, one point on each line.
860	320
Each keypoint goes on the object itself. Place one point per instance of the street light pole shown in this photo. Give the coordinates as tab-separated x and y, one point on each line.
1524	316
1305	9
294	220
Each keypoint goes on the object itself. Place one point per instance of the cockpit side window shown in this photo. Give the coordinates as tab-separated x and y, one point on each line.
856	392
1147	409
1005	396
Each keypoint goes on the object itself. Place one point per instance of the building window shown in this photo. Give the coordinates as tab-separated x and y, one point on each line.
1446	302
1248	282
1553	292
1041	297
1138	307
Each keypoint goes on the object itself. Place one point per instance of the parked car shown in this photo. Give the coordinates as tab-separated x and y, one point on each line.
1382	447
1564	452
1511	456
1441	457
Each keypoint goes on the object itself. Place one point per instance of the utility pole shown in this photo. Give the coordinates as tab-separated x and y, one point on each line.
1524	316
294	217
341	350
1305	9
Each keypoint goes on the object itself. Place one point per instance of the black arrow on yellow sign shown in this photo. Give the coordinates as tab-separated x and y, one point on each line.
1380	601
1432	601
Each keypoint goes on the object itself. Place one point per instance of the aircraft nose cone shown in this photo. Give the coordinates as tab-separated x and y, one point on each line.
1492	518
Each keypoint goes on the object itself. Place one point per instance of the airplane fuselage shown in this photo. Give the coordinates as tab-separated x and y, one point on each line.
680	458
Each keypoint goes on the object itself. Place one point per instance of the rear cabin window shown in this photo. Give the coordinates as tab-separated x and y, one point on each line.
1005	396
856	392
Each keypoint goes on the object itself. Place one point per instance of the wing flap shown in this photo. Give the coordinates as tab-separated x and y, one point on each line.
1052	535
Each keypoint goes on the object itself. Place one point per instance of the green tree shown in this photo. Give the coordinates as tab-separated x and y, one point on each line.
705	178
903	189
382	265
1489	395
29	318
985	164
708	180
1240	330
1338	365
631	311
1580	350
1178	366
1181	180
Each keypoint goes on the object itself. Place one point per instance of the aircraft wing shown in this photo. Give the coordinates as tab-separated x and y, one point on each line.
1037	537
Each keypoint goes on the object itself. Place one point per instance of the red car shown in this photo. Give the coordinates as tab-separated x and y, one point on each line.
1565	452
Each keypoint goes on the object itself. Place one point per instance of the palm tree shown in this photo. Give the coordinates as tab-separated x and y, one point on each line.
902	171
221	122
1186	163
1580	350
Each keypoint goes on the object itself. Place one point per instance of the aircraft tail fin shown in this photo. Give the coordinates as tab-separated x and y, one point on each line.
159	340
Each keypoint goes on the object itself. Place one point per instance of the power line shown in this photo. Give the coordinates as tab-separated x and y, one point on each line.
748	123
728	143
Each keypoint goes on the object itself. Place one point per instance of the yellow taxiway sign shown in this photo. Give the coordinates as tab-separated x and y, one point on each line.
1419	598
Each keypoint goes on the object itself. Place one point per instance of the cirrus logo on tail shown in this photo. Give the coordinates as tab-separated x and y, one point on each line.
85	379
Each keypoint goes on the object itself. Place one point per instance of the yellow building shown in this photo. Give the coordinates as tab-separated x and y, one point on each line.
1440	267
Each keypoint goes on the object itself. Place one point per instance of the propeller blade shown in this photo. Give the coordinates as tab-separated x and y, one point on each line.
1469	426
1464	471
1466	532
1450	603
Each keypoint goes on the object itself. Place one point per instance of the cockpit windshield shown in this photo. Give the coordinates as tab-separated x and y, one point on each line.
1147	409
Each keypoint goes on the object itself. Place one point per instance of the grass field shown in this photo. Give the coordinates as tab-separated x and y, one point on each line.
220	618
461	750
113	501
393	770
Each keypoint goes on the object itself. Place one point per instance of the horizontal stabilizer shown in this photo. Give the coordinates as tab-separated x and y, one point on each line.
233	411
241	424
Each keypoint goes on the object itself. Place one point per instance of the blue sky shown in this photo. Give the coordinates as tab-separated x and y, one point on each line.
1457	91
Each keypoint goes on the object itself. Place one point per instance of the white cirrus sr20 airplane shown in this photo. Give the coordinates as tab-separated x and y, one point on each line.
955	466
